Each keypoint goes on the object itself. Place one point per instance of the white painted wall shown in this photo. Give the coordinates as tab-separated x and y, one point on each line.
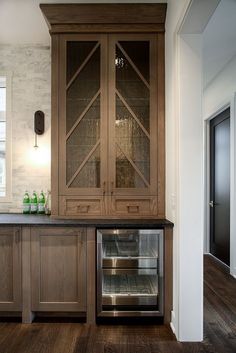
184	199
191	192
219	68
219	93
220	89
30	68
175	11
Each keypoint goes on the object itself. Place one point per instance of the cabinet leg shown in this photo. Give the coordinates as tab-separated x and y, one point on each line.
91	277
27	317
27	314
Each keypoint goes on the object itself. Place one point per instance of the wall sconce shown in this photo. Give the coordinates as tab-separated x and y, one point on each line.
38	125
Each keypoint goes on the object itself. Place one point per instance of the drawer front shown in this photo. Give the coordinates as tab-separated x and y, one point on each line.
80	206
143	206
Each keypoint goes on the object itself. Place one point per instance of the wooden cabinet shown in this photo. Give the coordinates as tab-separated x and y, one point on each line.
108	114
58	269
10	264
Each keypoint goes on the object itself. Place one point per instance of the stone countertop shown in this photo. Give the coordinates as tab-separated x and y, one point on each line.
17	219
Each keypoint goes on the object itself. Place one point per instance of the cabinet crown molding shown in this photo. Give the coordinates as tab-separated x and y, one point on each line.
64	18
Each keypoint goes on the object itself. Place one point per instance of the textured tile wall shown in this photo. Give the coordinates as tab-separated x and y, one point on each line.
30	69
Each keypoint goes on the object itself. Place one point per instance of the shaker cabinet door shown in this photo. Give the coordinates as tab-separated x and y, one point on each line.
10	263
58	257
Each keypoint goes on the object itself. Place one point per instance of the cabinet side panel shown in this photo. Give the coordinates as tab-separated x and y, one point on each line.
91	276
27	315
161	125
54	123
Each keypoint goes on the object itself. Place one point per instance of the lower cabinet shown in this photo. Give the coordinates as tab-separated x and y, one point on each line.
10	264
53	269
58	269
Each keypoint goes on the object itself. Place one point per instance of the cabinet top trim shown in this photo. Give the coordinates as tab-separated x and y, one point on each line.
86	17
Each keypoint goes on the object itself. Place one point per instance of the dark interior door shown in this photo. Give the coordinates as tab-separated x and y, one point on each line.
220	186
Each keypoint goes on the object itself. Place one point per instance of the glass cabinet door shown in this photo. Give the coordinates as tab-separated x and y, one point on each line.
133	117
82	122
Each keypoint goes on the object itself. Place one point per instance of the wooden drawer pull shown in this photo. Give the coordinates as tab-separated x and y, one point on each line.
133	208
83	208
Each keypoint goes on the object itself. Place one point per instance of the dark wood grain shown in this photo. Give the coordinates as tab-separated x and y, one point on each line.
219	326
107	28
104	13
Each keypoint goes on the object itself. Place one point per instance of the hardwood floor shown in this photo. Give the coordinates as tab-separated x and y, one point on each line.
220	329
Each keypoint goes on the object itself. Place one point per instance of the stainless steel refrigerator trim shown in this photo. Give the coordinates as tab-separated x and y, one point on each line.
131	262
129	265
143	301
127	313
138	271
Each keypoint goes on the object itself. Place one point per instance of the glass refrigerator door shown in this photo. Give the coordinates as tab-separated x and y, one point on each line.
131	269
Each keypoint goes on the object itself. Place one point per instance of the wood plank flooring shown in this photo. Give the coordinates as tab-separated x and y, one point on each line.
219	324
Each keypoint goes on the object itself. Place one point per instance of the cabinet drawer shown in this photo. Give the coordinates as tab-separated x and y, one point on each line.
80	206
142	206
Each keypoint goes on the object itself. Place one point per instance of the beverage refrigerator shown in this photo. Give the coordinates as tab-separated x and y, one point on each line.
129	272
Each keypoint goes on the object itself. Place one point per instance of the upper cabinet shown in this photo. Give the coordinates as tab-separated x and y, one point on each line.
107	111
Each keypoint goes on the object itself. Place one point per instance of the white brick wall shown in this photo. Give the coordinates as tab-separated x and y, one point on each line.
30	68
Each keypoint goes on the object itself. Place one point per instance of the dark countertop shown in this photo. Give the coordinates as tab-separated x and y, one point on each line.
37	220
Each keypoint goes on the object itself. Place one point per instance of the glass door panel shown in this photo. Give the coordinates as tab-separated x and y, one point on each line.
126	175
77	52
83	117
132	86
130	269
134	141
89	175
132	115
83	139
139	53
130	243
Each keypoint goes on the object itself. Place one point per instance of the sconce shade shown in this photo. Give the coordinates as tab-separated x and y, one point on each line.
39	122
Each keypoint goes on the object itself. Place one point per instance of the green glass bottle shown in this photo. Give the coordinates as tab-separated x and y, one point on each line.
34	203
41	203
26	203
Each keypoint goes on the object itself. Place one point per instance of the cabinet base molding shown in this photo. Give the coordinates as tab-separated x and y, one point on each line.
10	314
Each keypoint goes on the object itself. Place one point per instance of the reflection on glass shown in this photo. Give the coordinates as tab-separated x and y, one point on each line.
83	114
83	89
132	115
130	284
77	52
81	141
89	176
126	175
132	88
134	244
139	54
132	139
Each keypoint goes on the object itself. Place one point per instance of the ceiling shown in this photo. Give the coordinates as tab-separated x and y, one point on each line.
21	21
219	40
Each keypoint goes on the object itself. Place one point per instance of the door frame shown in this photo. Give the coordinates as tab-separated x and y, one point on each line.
229	103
